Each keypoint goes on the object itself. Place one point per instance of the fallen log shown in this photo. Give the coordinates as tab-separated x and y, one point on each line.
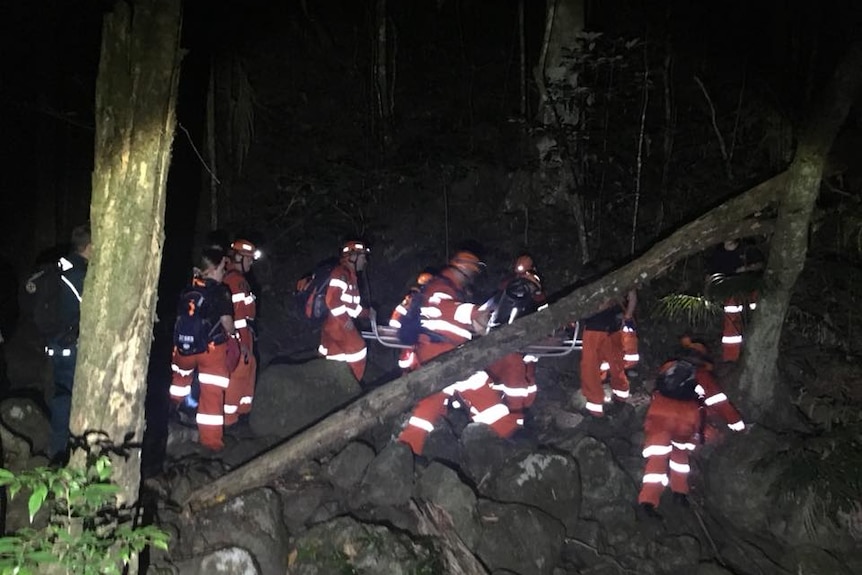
728	220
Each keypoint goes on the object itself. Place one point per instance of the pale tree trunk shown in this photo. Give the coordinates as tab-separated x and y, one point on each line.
731	219
381	75
135	118
789	246
564	20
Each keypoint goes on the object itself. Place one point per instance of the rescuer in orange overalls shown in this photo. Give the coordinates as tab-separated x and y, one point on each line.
686	393
211	365
448	322
339	338
514	374
240	393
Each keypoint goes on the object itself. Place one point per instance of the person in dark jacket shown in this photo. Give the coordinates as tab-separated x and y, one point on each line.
63	348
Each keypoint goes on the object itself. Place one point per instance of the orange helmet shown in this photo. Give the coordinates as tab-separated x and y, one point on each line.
696	348
467	263
245	248
524	263
354	247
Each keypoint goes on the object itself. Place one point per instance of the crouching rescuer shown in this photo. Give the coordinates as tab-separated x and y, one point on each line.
686	394
203	328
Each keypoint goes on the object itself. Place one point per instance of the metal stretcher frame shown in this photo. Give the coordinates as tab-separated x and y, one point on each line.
388	337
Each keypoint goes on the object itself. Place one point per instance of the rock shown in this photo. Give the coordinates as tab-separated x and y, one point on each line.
442	486
347	468
344	545
26	419
229	561
249	527
292	397
545	480
388	481
607	492
518	538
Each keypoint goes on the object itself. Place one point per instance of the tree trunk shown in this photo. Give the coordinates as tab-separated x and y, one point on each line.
790	243
726	221
135	118
564	20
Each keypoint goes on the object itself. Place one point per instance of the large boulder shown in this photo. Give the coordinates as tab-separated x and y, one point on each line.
345	545
26	419
289	398
442	486
519	539
545	480
608	493
244	528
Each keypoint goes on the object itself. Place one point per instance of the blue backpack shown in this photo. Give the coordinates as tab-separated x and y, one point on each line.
194	328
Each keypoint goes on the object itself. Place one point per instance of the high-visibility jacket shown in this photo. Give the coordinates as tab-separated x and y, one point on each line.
339	338
445	315
672	430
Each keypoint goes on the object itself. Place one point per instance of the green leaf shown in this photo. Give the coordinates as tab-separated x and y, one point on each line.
6	476
37	498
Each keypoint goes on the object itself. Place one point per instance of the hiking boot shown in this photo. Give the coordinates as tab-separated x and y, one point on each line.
615	407
681	499
649	511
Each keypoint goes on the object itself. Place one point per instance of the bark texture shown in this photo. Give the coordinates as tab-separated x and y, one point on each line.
728	220
789	246
135	119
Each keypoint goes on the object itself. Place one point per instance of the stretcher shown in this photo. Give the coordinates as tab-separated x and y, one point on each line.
566	342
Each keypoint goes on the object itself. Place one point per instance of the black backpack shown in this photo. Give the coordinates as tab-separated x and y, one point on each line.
678	381
310	291
41	300
194	328
514	301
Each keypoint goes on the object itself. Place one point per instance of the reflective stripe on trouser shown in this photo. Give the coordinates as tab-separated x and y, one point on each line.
629	342
340	341
213	377
484	404
734	326
239	394
667	444
598	347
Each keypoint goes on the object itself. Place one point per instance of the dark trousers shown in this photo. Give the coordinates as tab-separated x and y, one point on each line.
61	403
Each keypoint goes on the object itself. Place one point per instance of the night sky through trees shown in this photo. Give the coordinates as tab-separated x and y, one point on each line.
456	81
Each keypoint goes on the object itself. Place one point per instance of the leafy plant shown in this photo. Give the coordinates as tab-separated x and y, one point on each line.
693	310
87	533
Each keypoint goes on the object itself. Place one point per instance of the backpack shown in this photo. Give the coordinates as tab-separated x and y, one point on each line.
411	322
678	381
310	291
194	328
41	300
516	300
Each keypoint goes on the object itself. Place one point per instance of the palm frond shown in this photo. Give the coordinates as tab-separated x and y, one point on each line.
694	310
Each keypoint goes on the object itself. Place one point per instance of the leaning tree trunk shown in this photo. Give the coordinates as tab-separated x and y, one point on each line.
135	117
789	245
729	220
